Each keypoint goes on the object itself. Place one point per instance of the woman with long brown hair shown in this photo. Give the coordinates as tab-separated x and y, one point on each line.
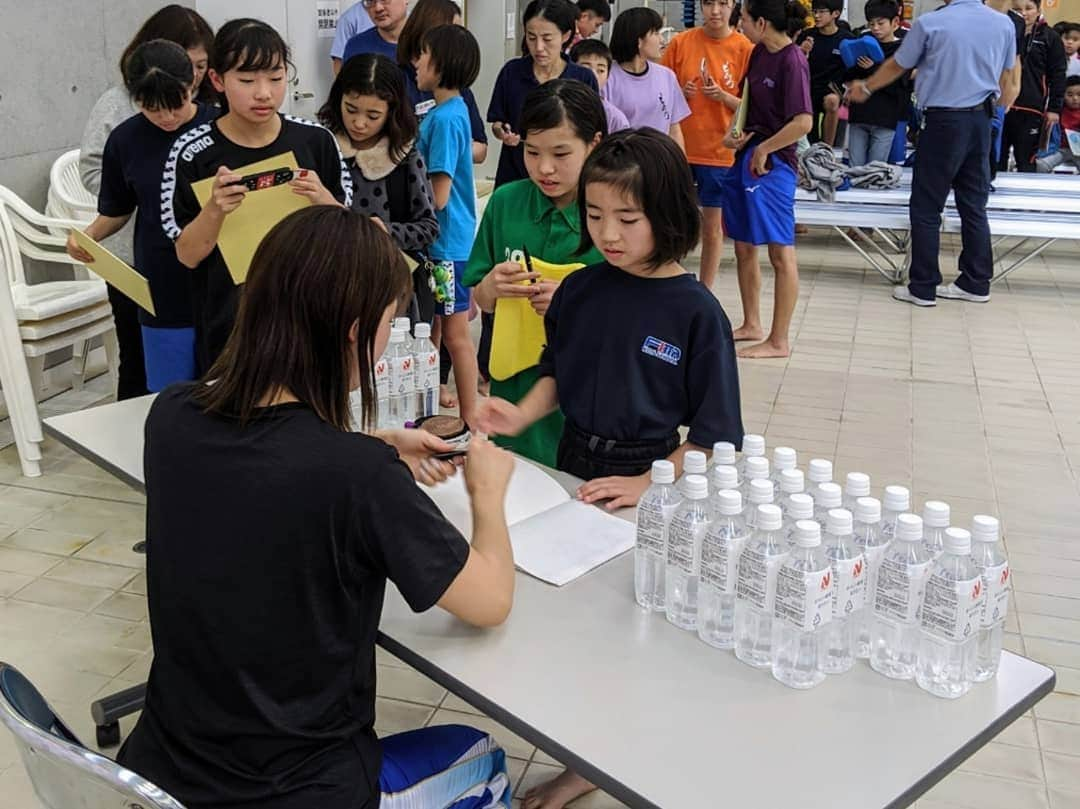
272	529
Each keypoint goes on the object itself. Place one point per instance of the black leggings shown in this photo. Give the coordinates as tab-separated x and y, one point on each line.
588	456
132	380
1021	132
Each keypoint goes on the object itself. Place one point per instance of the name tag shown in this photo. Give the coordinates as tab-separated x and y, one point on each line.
424	107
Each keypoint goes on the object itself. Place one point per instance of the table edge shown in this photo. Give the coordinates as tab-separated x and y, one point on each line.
93	457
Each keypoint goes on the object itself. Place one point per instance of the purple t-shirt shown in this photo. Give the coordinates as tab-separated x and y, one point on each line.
652	99
779	90
615	118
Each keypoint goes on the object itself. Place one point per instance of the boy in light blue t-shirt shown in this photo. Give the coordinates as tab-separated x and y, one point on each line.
449	62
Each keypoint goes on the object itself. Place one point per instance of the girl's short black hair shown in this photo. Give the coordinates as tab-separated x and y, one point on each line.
159	75
561	13
598	7
634	160
184	26
248	45
372	74
881	10
455	54
630	26
590	47
786	16
564	101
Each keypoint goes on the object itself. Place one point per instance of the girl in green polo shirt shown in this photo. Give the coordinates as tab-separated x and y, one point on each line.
535	222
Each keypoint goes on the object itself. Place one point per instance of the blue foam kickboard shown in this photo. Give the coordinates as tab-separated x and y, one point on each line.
866	45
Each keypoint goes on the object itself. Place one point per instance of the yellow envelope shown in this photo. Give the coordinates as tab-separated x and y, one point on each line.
739	124
245	227
519	336
114	271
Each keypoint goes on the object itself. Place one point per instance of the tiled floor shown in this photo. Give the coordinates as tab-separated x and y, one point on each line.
976	405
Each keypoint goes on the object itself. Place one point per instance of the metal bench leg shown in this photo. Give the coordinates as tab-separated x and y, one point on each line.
1020	262
883	263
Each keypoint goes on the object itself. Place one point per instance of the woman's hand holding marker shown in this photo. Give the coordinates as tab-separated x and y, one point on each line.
306	183
506	280
227	192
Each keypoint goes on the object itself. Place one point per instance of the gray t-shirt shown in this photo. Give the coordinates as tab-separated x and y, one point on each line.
112	109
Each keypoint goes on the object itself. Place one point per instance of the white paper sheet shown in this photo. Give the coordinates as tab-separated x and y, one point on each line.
568	541
531	491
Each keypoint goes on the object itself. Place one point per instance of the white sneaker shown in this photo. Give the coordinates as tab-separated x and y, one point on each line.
902	293
955	293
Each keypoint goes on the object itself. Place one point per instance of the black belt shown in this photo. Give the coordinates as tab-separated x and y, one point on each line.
980	106
608	447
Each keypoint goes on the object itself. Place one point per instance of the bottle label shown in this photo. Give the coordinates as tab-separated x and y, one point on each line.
996	586
804	598
382	378
402	378
849	585
757	578
720	562
684	542
899	589
427	370
873	556
952	609
650	526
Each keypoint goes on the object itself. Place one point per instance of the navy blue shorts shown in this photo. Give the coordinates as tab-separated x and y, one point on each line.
169	355
709	180
759	210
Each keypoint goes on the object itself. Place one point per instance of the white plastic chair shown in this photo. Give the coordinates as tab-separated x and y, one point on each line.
36	319
64	773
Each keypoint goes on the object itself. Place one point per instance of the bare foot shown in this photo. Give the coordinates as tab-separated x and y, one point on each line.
446	398
801	230
557	792
764	350
745	332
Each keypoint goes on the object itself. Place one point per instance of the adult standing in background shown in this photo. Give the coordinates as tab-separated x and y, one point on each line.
388	18
1009	93
191	32
351	22
964	54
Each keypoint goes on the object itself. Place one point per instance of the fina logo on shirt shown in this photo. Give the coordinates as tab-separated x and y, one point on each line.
667	352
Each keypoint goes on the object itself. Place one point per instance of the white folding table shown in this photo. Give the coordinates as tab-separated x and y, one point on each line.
648	712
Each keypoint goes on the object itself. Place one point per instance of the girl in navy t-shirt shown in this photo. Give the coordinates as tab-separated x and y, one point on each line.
159	76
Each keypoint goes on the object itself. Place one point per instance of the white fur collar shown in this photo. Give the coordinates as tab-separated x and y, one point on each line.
374	163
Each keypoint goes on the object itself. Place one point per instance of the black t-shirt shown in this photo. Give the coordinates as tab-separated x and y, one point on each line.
824	58
1021	30
888	104
131	181
197	155
634	358
268	551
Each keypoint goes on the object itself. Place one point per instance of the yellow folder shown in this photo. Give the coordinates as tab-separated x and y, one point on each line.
519	337
114	271
245	227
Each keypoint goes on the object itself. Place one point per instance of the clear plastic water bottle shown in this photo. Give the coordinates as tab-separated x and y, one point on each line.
654	512
868	537
791	482
828	497
935	517
760	493
381	370
992	565
402	379
818	471
803	611
849	592
685	534
783	458
758	467
723	477
723	454
694	463
950	619
720	549
402	324
426	363
897	501
894	635
753	446
796	507
755	588
856	485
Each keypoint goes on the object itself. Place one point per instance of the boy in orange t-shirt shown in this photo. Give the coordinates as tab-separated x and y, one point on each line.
710	63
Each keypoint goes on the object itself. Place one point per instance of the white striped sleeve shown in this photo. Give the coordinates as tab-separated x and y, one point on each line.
169	180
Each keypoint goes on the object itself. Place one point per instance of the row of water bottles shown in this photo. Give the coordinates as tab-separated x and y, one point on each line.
406	377
805	580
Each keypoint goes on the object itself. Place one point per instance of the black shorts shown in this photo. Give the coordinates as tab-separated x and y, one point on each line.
589	456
